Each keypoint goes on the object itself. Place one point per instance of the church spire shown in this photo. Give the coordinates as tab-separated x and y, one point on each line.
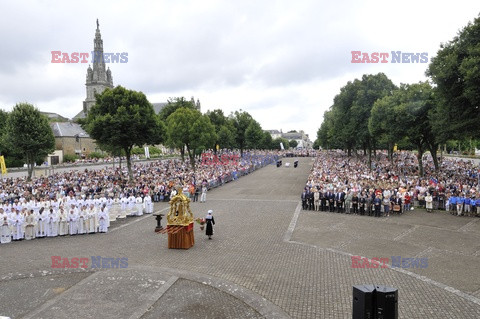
98	42
98	78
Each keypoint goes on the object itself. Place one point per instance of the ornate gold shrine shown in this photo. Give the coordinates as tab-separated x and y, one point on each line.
179	222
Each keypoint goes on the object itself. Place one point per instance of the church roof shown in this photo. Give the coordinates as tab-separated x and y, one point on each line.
292	136
54	116
273	131
68	129
157	107
80	115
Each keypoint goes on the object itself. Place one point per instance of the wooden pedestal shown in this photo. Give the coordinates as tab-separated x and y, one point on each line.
181	239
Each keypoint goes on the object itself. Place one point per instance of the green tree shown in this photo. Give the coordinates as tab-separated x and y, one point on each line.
415	109
224	129
267	141
293	143
174	104
241	121
3	131
192	130
372	88
277	141
226	135
124	118
3	121
345	124
326	137
455	71
28	132
253	135
384	124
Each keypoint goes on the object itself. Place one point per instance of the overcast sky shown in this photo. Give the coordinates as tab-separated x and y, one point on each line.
281	61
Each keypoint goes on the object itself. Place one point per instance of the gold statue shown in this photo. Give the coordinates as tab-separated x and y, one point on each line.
180	213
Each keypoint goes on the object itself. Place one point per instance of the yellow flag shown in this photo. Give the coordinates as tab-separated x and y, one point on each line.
218	147
2	165
395	148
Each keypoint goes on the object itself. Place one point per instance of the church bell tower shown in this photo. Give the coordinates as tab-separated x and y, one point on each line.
98	79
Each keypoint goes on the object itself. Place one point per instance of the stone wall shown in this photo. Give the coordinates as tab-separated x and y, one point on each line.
69	145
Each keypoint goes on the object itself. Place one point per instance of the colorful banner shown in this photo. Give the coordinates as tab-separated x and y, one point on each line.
147	152
2	165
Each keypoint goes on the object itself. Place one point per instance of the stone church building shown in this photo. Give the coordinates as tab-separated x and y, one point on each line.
70	137
98	78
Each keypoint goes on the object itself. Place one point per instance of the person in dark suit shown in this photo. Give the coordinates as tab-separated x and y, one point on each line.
363	202
377	204
355	201
323	200
340	199
331	201
310	200
370	198
304	198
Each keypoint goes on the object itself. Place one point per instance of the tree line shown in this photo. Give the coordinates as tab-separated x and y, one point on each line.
122	119
372	113
25	136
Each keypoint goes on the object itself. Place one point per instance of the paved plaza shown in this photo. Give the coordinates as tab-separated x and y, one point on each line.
268	259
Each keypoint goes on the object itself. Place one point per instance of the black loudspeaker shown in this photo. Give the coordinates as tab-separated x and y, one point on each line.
375	302
363	302
295	164
386	305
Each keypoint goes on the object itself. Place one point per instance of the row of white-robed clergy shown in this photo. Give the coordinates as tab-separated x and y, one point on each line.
23	223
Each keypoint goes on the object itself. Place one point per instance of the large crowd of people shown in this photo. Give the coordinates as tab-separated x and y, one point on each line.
87	201
339	183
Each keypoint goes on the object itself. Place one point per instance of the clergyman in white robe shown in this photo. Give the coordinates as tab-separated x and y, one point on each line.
72	221
148	204
30	222
41	223
123	207
92	219
82	220
131	205
102	221
5	229
139	205
52	224
62	222
16	222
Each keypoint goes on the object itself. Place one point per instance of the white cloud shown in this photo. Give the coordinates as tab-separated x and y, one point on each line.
282	61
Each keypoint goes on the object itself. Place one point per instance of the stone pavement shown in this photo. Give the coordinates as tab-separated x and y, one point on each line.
267	259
